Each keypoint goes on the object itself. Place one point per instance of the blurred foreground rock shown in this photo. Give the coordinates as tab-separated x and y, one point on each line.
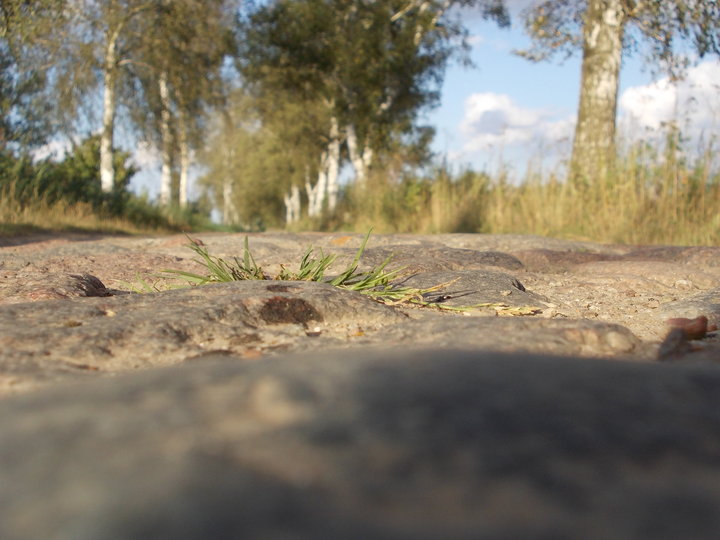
374	444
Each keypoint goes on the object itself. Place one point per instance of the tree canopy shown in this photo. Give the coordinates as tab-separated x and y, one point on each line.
373	67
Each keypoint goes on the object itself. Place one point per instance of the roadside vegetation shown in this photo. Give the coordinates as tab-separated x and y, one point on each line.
307	114
656	195
65	195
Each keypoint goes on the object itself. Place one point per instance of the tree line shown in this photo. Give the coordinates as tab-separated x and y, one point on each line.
277	98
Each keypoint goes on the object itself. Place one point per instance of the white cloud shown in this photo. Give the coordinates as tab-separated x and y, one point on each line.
494	120
694	103
56	149
475	40
146	155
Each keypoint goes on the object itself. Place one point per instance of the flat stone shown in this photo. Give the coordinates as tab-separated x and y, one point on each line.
664	273
45	341
705	303
508	334
429	259
547	260
471	287
31	286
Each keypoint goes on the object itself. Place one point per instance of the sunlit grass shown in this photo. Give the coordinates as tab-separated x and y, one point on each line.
376	282
41	215
651	197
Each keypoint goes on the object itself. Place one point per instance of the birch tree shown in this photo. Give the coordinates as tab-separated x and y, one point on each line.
80	46
409	45
261	156
373	66
606	30
106	27
179	74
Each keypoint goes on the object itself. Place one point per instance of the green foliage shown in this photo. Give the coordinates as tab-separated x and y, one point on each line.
29	190
262	159
74	179
318	70
23	112
188	41
374	64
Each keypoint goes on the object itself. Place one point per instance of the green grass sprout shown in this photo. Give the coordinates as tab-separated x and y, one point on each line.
221	271
376	283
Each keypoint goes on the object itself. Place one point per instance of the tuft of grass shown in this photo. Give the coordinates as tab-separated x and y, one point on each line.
219	270
376	283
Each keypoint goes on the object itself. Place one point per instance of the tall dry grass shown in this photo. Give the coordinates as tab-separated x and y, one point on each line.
652	197
649	198
38	211
41	213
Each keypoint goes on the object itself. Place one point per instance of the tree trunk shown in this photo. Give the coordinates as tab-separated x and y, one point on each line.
316	194
333	165
184	161
229	213
593	152
327	186
292	205
360	159
107	170
166	135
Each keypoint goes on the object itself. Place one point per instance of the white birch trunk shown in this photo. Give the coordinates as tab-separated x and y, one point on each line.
107	171
184	161
333	165
316	194
327	186
166	136
361	159
292	205
229	213
310	192
594	143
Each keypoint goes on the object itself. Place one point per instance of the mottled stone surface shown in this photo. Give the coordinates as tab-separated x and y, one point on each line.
52	341
547	399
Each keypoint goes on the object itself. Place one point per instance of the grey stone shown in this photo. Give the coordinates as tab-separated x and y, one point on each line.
470	287
434	259
24	286
431	444
705	303
553	336
298	410
45	341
